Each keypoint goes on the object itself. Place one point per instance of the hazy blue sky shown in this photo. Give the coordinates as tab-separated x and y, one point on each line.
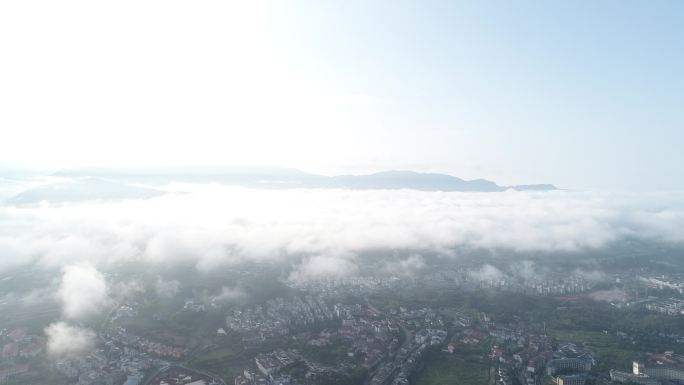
582	94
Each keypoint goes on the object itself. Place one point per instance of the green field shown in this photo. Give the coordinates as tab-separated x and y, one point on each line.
226	359
228	373
217	356
444	369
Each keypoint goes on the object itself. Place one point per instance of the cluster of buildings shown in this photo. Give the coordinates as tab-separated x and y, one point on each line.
355	285
431	337
519	354
663	368
365	339
569	370
645	288
159	345
421	329
146	345
18	343
175	375
547	284
400	366
670	306
93	369
278	317
120	365
18	347
530	358
376	337
273	365
386	346
538	285
566	284
123	358
275	368
113	364
675	282
251	377
13	370
526	357
195	306
371	340
423	317
568	365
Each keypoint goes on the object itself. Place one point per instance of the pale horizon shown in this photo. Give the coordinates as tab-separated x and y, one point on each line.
582	95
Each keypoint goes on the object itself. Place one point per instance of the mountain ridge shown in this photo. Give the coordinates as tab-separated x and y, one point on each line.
280	177
80	190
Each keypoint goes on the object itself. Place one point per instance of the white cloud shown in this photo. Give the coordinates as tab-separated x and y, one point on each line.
166	288
217	226
324	267
406	267
65	339
83	292
228	294
487	273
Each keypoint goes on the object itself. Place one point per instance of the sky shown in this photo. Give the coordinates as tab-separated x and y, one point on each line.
585	95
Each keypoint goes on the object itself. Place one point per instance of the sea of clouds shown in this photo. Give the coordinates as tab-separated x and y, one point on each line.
319	232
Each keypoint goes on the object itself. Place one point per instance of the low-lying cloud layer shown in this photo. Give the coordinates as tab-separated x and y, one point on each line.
319	231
